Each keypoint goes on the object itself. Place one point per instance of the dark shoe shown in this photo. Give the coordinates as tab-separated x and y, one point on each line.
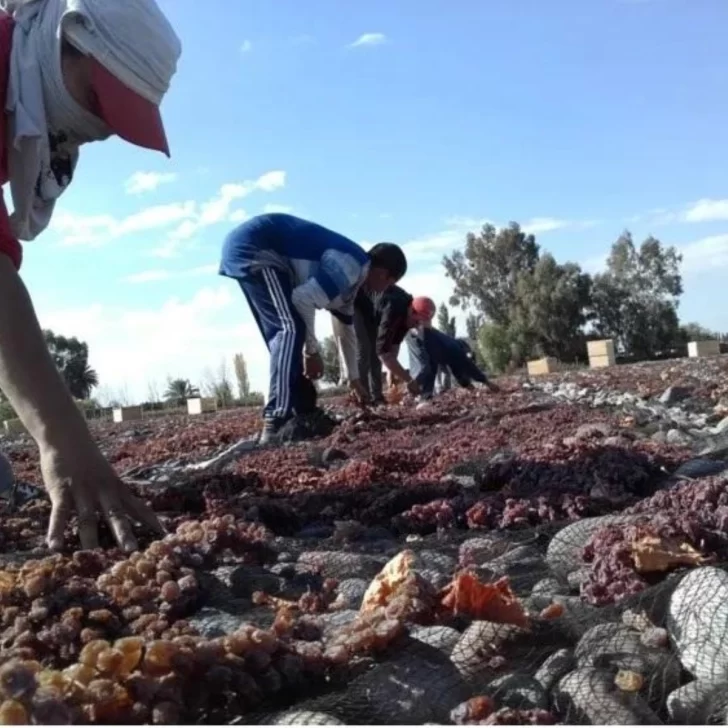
306	427
271	430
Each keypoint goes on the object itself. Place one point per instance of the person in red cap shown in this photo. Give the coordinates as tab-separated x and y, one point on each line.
431	351
71	72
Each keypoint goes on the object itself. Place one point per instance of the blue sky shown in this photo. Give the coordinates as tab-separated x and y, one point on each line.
391	121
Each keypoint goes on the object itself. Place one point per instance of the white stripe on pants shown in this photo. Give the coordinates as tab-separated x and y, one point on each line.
287	343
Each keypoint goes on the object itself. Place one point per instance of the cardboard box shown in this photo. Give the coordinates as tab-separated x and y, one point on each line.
14	427
127	414
200	405
600	348
601	362
703	348
547	365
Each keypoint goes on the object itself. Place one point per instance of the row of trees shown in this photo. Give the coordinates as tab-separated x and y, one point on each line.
227	389
525	305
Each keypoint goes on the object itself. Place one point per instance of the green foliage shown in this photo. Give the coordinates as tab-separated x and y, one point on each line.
71	358
695	332
532	305
179	391
551	311
485	274
494	347
241	375
525	304
330	356
635	301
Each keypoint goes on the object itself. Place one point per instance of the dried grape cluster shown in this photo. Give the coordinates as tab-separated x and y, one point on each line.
482	710
162	681
368	634
54	606
422	517
694	512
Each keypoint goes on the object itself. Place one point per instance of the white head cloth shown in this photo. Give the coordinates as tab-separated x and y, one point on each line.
130	38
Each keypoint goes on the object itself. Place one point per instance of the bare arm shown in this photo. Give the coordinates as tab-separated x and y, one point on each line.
389	359
28	375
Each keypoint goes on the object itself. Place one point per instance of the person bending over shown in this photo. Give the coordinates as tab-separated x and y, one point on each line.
431	350
382	321
71	72
287	268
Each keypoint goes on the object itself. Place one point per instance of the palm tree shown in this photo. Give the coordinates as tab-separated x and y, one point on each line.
80	378
179	390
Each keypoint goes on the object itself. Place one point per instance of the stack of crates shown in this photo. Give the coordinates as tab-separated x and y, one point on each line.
703	348
547	365
601	353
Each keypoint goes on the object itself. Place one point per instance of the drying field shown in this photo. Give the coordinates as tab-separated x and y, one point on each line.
550	554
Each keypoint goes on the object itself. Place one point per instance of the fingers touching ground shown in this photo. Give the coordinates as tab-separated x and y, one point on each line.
118	506
142	513
62	509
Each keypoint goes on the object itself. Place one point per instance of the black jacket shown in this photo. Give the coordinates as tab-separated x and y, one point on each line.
387	314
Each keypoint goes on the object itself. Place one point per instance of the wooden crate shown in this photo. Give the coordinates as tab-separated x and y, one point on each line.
127	414
601	362
547	365
703	348
15	427
200	405
600	348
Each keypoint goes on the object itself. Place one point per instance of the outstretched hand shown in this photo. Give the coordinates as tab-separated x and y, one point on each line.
82	481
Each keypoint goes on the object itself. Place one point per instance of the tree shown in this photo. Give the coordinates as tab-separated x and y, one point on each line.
552	307
241	375
71	358
445	323
485	275
153	394
330	356
494	346
179	391
635	301
473	324
695	332
223	388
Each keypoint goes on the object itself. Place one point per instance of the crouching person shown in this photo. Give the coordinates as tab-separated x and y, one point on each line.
382	321
431	351
287	268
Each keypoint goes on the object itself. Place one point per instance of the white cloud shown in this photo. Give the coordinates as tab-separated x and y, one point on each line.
541	225
130	347
369	39
271	181
246	46
706	254
277	208
185	218
141	182
707	210
152	276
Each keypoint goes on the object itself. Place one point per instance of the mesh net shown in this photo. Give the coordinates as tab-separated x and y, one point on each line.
560	569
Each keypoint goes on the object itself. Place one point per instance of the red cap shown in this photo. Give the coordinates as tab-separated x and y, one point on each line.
126	113
423	307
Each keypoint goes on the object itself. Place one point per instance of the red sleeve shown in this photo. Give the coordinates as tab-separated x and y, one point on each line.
8	243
